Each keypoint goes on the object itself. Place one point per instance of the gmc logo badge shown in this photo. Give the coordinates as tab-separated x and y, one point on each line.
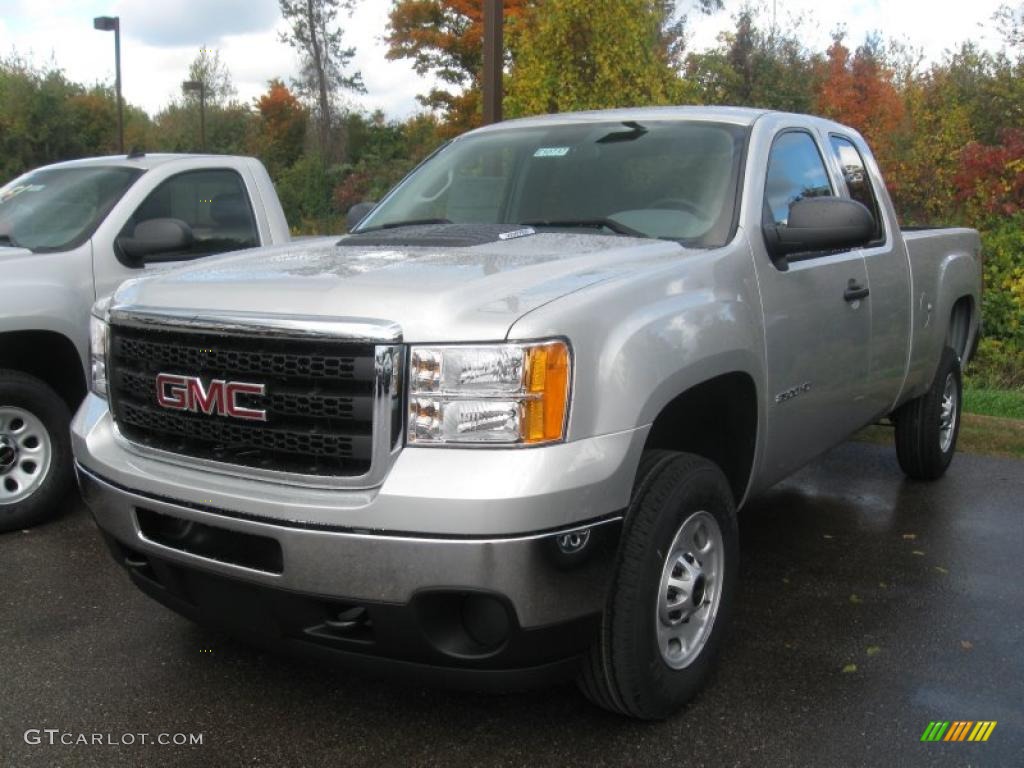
187	393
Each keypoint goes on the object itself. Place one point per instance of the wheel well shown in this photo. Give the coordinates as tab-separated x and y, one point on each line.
48	356
716	419
960	326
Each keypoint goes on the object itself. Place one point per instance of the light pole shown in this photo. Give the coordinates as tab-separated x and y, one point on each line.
108	24
197	86
494	60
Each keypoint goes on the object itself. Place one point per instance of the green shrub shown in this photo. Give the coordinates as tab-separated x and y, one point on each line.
305	192
999	364
1003	299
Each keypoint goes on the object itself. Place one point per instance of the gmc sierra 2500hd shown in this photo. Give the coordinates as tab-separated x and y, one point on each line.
502	429
71	233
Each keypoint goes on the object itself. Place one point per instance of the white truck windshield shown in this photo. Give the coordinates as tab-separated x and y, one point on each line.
59	208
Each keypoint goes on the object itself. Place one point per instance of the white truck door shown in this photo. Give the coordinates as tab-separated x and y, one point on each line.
817	339
215	207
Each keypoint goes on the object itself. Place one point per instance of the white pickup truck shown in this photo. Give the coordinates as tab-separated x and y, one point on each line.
71	233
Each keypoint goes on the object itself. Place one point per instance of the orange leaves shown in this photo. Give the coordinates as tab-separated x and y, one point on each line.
445	38
282	127
859	90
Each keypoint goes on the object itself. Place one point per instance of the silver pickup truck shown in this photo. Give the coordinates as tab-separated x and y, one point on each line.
71	233
501	431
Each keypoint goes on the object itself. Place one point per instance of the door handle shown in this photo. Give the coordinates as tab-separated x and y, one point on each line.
855	291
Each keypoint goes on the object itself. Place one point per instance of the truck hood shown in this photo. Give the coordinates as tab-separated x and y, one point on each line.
9	254
434	293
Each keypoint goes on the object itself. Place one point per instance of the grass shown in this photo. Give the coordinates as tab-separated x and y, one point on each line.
1001	403
992	424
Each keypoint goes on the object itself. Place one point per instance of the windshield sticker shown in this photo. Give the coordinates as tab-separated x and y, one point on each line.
552	152
8	194
516	233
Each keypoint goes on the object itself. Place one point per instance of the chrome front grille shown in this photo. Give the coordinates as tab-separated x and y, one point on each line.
332	403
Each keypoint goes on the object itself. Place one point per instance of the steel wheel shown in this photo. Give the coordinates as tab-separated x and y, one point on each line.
26	451
690	589
948	413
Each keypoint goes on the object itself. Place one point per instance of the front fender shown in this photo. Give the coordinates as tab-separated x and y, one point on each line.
641	340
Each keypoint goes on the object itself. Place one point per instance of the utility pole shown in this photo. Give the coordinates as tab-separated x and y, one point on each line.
494	60
113	24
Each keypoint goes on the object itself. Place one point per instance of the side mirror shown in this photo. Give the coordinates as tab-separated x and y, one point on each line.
156	238
820	224
357	213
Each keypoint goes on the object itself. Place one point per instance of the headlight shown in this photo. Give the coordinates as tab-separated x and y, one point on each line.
497	394
99	337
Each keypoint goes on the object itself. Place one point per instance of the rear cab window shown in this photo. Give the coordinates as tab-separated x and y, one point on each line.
858	180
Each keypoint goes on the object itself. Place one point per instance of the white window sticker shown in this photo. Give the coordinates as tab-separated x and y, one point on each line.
551	152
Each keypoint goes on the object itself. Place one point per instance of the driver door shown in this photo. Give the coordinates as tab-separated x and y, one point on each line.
213	204
817	341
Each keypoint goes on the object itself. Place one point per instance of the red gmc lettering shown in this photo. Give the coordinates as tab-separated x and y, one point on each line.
170	391
209	401
231	392
188	393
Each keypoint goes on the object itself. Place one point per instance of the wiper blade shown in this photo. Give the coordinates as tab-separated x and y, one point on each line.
615	226
635	132
409	223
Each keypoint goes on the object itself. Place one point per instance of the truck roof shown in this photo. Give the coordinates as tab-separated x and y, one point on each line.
736	115
145	162
744	116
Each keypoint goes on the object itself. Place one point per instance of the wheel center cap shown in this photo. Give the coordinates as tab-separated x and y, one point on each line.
8	453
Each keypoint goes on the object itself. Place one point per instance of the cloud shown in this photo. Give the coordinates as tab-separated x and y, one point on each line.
923	24
173	23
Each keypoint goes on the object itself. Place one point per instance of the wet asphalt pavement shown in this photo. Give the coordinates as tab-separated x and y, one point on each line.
868	607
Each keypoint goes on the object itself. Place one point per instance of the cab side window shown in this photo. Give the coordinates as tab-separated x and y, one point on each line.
795	171
213	204
858	181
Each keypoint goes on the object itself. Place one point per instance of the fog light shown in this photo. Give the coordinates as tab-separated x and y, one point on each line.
574	541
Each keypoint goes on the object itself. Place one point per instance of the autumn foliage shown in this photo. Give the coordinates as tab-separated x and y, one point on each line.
282	125
445	38
858	90
991	178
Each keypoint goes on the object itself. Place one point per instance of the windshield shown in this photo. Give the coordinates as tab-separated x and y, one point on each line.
667	179
59	208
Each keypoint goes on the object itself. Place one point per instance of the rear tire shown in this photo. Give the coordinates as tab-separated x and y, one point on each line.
35	451
927	427
672	591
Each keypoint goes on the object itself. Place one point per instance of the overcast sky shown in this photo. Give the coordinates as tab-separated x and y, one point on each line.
161	37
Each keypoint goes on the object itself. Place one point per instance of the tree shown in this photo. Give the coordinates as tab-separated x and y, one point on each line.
859	90
1010	22
582	55
208	69
325	62
444	38
754	68
991	177
47	118
281	127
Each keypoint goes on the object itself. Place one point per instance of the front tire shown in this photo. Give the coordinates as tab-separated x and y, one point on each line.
927	427
672	591
35	451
